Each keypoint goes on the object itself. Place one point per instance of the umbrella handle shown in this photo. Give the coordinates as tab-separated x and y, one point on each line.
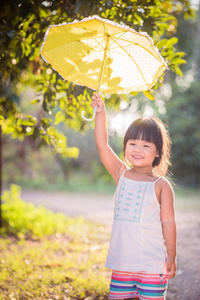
94	113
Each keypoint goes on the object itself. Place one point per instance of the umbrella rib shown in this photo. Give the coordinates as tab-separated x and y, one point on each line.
104	58
108	67
134	63
157	58
117	37
93	38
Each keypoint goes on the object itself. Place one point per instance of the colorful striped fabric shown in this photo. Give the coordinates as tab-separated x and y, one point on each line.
142	285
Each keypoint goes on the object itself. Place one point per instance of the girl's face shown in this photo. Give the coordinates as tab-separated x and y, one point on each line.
140	153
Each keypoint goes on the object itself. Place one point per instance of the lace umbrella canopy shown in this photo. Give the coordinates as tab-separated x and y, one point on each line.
103	55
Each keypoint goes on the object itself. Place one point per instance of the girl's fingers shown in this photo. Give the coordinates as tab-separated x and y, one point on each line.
94	103
171	271
96	97
97	101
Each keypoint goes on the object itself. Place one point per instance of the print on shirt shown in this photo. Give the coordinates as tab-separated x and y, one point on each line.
129	203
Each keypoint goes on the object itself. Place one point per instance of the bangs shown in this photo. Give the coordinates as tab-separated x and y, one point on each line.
145	129
144	134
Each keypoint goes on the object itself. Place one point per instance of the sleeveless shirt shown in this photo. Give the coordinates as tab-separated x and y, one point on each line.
137	242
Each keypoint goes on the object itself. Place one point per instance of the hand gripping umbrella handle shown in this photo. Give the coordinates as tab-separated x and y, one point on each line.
94	113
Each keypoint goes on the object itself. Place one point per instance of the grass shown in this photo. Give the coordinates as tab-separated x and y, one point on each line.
50	256
82	183
61	266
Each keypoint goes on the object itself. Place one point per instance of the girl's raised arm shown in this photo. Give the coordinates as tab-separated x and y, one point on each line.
110	160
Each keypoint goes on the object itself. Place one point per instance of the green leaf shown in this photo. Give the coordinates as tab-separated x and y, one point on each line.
148	95
34	101
62	104
43	12
26	123
172	41
180	54
60	117
72	152
133	94
178	71
178	61
161	43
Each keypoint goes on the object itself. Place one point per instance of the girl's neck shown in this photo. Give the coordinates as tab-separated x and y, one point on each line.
144	171
143	174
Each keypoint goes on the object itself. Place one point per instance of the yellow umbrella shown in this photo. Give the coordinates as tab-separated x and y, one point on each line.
103	55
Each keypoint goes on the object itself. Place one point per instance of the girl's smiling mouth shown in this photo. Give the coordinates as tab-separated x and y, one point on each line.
137	156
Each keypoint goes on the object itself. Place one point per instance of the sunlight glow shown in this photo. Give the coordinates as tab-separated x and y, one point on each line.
28	129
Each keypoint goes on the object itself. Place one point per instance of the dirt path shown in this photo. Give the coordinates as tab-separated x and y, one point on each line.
186	285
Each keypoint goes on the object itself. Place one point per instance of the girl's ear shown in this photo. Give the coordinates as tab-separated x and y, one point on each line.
157	154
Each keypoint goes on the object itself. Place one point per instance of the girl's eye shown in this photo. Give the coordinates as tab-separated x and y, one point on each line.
146	146
132	144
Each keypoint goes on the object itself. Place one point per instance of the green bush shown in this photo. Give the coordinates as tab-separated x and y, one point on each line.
27	220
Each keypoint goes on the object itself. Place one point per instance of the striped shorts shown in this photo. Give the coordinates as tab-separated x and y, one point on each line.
142	285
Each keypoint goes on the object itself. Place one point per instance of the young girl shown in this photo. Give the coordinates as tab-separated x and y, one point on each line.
142	252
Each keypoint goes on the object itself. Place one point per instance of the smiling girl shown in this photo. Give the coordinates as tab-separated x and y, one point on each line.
142	251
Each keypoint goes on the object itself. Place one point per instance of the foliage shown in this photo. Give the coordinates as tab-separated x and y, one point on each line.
31	168
26	220
183	107
183	117
22	28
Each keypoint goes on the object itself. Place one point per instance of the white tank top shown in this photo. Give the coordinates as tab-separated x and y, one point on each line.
137	242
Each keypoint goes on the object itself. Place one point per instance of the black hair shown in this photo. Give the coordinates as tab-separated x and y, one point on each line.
151	130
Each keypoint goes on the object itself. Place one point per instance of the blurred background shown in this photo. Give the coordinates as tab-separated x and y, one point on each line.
34	160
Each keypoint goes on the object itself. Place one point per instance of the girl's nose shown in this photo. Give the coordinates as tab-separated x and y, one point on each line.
137	148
